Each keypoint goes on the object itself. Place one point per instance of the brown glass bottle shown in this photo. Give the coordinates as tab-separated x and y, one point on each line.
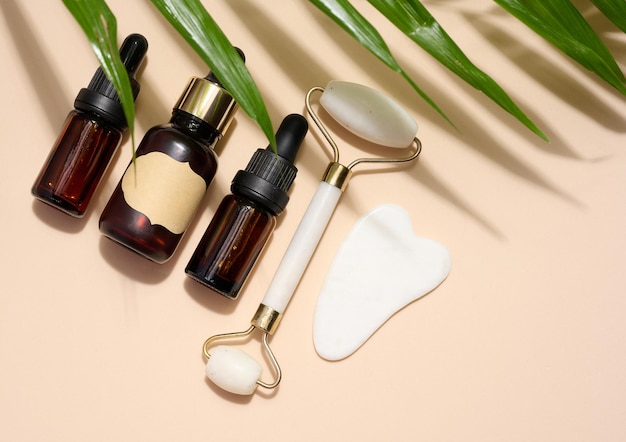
156	199
90	136
230	253
245	219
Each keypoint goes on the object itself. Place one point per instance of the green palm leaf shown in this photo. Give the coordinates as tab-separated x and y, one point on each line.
560	23
614	10
414	20
347	17
197	27
100	27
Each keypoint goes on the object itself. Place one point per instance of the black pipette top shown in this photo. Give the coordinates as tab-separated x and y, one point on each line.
100	97
269	175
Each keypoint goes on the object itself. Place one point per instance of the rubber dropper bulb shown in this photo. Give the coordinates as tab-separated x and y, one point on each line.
101	97
289	136
132	53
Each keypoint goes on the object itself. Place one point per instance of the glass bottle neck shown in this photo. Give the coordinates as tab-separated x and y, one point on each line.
195	127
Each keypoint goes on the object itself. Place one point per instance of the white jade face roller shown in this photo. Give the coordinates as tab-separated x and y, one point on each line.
368	114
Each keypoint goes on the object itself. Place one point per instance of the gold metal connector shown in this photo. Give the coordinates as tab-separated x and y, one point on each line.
266	319
337	175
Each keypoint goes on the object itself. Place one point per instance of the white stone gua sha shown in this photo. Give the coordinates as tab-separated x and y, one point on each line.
380	268
368	114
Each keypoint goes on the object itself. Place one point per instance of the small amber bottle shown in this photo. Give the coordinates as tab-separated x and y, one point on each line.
246	218
91	135
158	195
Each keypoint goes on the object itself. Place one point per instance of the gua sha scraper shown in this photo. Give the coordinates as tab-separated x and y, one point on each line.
368	114
380	268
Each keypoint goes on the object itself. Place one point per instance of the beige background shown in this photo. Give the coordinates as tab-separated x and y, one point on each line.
525	341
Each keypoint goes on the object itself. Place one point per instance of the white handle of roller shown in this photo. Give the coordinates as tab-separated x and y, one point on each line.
301	247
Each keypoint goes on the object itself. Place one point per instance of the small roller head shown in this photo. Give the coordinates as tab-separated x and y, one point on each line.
233	370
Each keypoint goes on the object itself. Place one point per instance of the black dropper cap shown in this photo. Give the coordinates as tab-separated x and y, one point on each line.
100	97
269	175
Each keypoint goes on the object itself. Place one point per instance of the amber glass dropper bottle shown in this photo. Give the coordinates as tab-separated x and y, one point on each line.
158	196
90	136
246	218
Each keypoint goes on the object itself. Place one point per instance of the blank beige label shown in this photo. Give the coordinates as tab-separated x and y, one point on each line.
167	191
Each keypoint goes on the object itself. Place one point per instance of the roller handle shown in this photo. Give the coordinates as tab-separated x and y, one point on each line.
302	246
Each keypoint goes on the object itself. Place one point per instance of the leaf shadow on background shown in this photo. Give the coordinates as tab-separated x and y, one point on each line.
615	44
150	110
598	21
306	73
396	87
154	114
290	58
552	78
43	79
287	54
418	170
471	131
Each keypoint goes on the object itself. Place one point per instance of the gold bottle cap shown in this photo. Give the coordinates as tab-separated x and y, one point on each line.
208	101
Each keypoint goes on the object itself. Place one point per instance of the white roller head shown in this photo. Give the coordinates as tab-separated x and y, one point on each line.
369	114
233	370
